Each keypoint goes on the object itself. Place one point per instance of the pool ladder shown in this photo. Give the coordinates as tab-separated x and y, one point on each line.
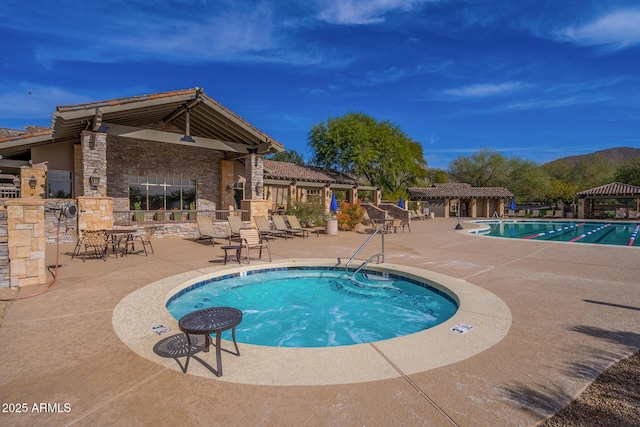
378	256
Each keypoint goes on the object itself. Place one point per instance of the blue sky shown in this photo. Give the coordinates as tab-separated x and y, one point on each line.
536	79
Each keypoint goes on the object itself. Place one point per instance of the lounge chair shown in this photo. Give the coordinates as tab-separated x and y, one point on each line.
265	230
208	231
278	221
633	215
558	214
535	213
549	213
144	239
416	215
295	224
235	224
621	214
521	213
250	239
511	213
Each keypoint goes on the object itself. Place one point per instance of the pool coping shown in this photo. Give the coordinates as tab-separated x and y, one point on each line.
138	312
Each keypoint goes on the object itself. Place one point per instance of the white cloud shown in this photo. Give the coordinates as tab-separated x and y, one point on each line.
619	29
484	90
360	12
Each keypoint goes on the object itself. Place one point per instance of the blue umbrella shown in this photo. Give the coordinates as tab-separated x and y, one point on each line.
401	203
334	203
513	204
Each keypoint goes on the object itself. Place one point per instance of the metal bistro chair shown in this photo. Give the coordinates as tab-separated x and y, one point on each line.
77	240
95	240
144	239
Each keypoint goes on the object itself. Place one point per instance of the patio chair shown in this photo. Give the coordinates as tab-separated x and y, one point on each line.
77	240
633	215
549	213
414	214
535	213
511	213
621	214
558	214
278	221
95	240
265	230
295	224
144	239
521	213
250	239
208	231
235	224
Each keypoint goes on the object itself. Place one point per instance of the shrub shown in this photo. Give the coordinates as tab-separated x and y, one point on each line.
350	216
309	213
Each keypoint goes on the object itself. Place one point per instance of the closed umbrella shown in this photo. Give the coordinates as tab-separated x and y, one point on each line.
513	204
334	203
401	203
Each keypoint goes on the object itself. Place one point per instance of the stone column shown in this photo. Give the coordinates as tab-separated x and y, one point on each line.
26	241
254	168
94	163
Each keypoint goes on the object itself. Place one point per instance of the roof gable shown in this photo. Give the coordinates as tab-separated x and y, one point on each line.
614	189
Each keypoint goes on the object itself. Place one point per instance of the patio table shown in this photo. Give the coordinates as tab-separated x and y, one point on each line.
213	320
117	236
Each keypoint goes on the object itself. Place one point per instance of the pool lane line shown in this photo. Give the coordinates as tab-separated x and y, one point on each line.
557	230
634	235
589	233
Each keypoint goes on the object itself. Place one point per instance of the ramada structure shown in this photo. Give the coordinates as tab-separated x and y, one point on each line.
444	199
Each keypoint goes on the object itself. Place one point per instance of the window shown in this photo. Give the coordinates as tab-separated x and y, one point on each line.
238	194
59	184
150	193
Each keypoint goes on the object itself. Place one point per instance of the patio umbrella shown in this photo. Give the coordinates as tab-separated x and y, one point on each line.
513	204
334	203
401	203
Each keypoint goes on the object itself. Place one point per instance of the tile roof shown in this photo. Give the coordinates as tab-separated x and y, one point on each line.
19	136
614	189
291	171
457	190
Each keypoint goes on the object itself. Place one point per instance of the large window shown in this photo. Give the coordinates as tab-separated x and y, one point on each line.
59	184
152	193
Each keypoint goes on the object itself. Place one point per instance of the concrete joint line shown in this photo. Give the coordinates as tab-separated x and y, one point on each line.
415	386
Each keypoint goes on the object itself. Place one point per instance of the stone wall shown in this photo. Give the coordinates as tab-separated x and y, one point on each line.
4	249
133	157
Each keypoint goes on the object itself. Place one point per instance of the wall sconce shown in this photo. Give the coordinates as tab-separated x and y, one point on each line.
33	182
16	181
94	181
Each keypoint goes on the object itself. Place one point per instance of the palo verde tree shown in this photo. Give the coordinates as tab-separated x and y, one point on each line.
380	152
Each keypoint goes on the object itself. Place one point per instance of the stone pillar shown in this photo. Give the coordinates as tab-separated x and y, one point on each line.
254	168
473	208
35	176
94	163
95	213
447	206
293	193
26	241
256	208
581	213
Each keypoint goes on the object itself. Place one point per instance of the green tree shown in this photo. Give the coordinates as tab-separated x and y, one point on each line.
380	152
289	156
629	173
485	168
438	176
526	180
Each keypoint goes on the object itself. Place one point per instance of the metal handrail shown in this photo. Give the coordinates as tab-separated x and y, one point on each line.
380	255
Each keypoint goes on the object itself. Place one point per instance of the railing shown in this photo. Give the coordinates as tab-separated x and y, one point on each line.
134	217
378	256
9	193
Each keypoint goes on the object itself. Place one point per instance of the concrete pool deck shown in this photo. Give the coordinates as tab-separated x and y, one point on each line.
574	311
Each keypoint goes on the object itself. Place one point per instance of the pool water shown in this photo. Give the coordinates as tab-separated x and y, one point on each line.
319	307
606	233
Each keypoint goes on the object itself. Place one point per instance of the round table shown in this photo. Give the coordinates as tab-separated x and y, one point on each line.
208	321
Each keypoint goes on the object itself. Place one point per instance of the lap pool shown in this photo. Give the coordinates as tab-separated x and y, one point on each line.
605	233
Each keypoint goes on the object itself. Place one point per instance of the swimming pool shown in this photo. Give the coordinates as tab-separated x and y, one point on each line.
319	307
601	232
